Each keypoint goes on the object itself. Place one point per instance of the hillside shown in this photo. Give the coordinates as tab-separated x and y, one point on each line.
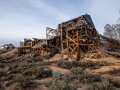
35	72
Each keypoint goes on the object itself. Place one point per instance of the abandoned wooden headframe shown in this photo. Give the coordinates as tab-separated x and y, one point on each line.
79	36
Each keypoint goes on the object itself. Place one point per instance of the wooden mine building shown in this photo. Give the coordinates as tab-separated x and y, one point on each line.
33	45
77	36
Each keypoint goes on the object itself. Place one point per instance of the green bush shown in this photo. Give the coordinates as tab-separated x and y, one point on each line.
92	65
43	72
90	78
87	64
76	71
38	58
114	71
23	81
2	58
24	64
64	64
115	82
84	76
44	63
28	83
16	77
46	56
30	72
29	60
104	85
57	84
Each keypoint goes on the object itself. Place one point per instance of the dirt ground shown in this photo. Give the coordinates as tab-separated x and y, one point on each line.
103	70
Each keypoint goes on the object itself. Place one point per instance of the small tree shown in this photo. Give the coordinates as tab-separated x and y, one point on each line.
110	31
113	31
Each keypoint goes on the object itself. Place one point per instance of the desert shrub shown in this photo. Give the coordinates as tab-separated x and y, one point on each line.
104	85
29	60
30	71
57	84
5	84
64	64
114	71
76	71
46	56
103	63
2	72
2	65
115	82
87	64
40	72
48	83
16	77
23	81
38	58
90	78
85	77
2	58
13	71
43	72
44	63
92	65
34	59
84	64
61	84
14	65
76	63
34	55
98	64
27	83
24	64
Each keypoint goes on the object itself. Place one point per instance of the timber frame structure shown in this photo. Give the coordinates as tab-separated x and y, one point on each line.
77	36
32	46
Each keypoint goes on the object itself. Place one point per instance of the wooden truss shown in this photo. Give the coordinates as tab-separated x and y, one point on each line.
78	35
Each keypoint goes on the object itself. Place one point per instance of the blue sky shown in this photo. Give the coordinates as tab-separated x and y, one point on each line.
29	18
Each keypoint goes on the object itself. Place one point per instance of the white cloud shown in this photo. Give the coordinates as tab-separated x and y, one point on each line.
14	26
52	11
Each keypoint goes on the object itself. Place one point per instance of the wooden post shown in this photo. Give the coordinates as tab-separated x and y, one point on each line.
78	47
67	44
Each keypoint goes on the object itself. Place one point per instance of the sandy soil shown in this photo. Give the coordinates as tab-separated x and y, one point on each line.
10	53
104	69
